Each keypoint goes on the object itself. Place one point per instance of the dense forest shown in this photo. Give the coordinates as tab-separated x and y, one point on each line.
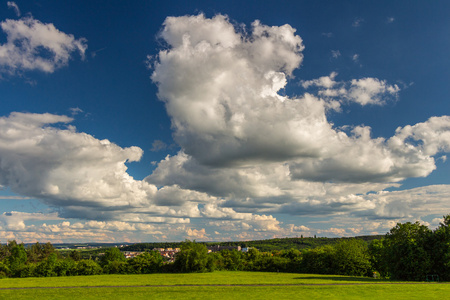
410	251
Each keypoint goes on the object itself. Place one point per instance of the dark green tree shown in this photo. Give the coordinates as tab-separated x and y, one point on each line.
4	252
113	262
88	267
75	255
407	251
40	252
34	253
115	267
295	260
193	257
11	244
17	259
272	262
4	270
48	250
377	258
352	258
318	260
26	270
217	259
441	250
292	254
252	259
111	255
46	268
232	260
146	263
65	267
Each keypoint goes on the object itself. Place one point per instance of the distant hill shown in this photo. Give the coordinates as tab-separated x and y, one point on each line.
62	246
261	245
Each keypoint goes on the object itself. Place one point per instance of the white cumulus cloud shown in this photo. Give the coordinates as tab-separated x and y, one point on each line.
64	166
33	45
227	113
213	78
364	91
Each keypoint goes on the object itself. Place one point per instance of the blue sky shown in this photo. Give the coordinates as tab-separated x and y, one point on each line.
232	120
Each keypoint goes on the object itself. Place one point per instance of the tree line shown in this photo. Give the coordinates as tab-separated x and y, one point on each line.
409	251
287	243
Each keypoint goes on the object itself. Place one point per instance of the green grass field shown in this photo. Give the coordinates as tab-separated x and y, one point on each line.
217	285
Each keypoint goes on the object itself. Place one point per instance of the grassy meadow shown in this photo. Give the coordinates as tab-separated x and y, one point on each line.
219	285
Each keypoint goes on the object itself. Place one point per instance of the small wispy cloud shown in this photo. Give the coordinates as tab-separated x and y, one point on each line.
335	53
158	145
75	110
14	198
327	34
357	22
14	6
390	20
94	53
355	58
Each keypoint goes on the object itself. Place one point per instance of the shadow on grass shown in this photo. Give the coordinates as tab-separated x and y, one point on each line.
343	278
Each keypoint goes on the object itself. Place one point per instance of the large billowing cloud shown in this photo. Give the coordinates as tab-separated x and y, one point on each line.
221	89
33	45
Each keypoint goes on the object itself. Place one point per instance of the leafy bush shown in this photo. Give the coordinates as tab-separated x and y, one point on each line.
115	267
88	267
318	261
46	267
23	271
193	257
352	258
146	263
111	255
65	267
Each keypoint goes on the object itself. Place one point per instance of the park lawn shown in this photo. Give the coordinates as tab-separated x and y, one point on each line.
383	291
176	286
218	277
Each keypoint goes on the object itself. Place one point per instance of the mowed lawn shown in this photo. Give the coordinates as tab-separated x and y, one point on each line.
217	285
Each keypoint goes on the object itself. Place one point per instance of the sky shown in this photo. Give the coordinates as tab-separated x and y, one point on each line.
149	121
